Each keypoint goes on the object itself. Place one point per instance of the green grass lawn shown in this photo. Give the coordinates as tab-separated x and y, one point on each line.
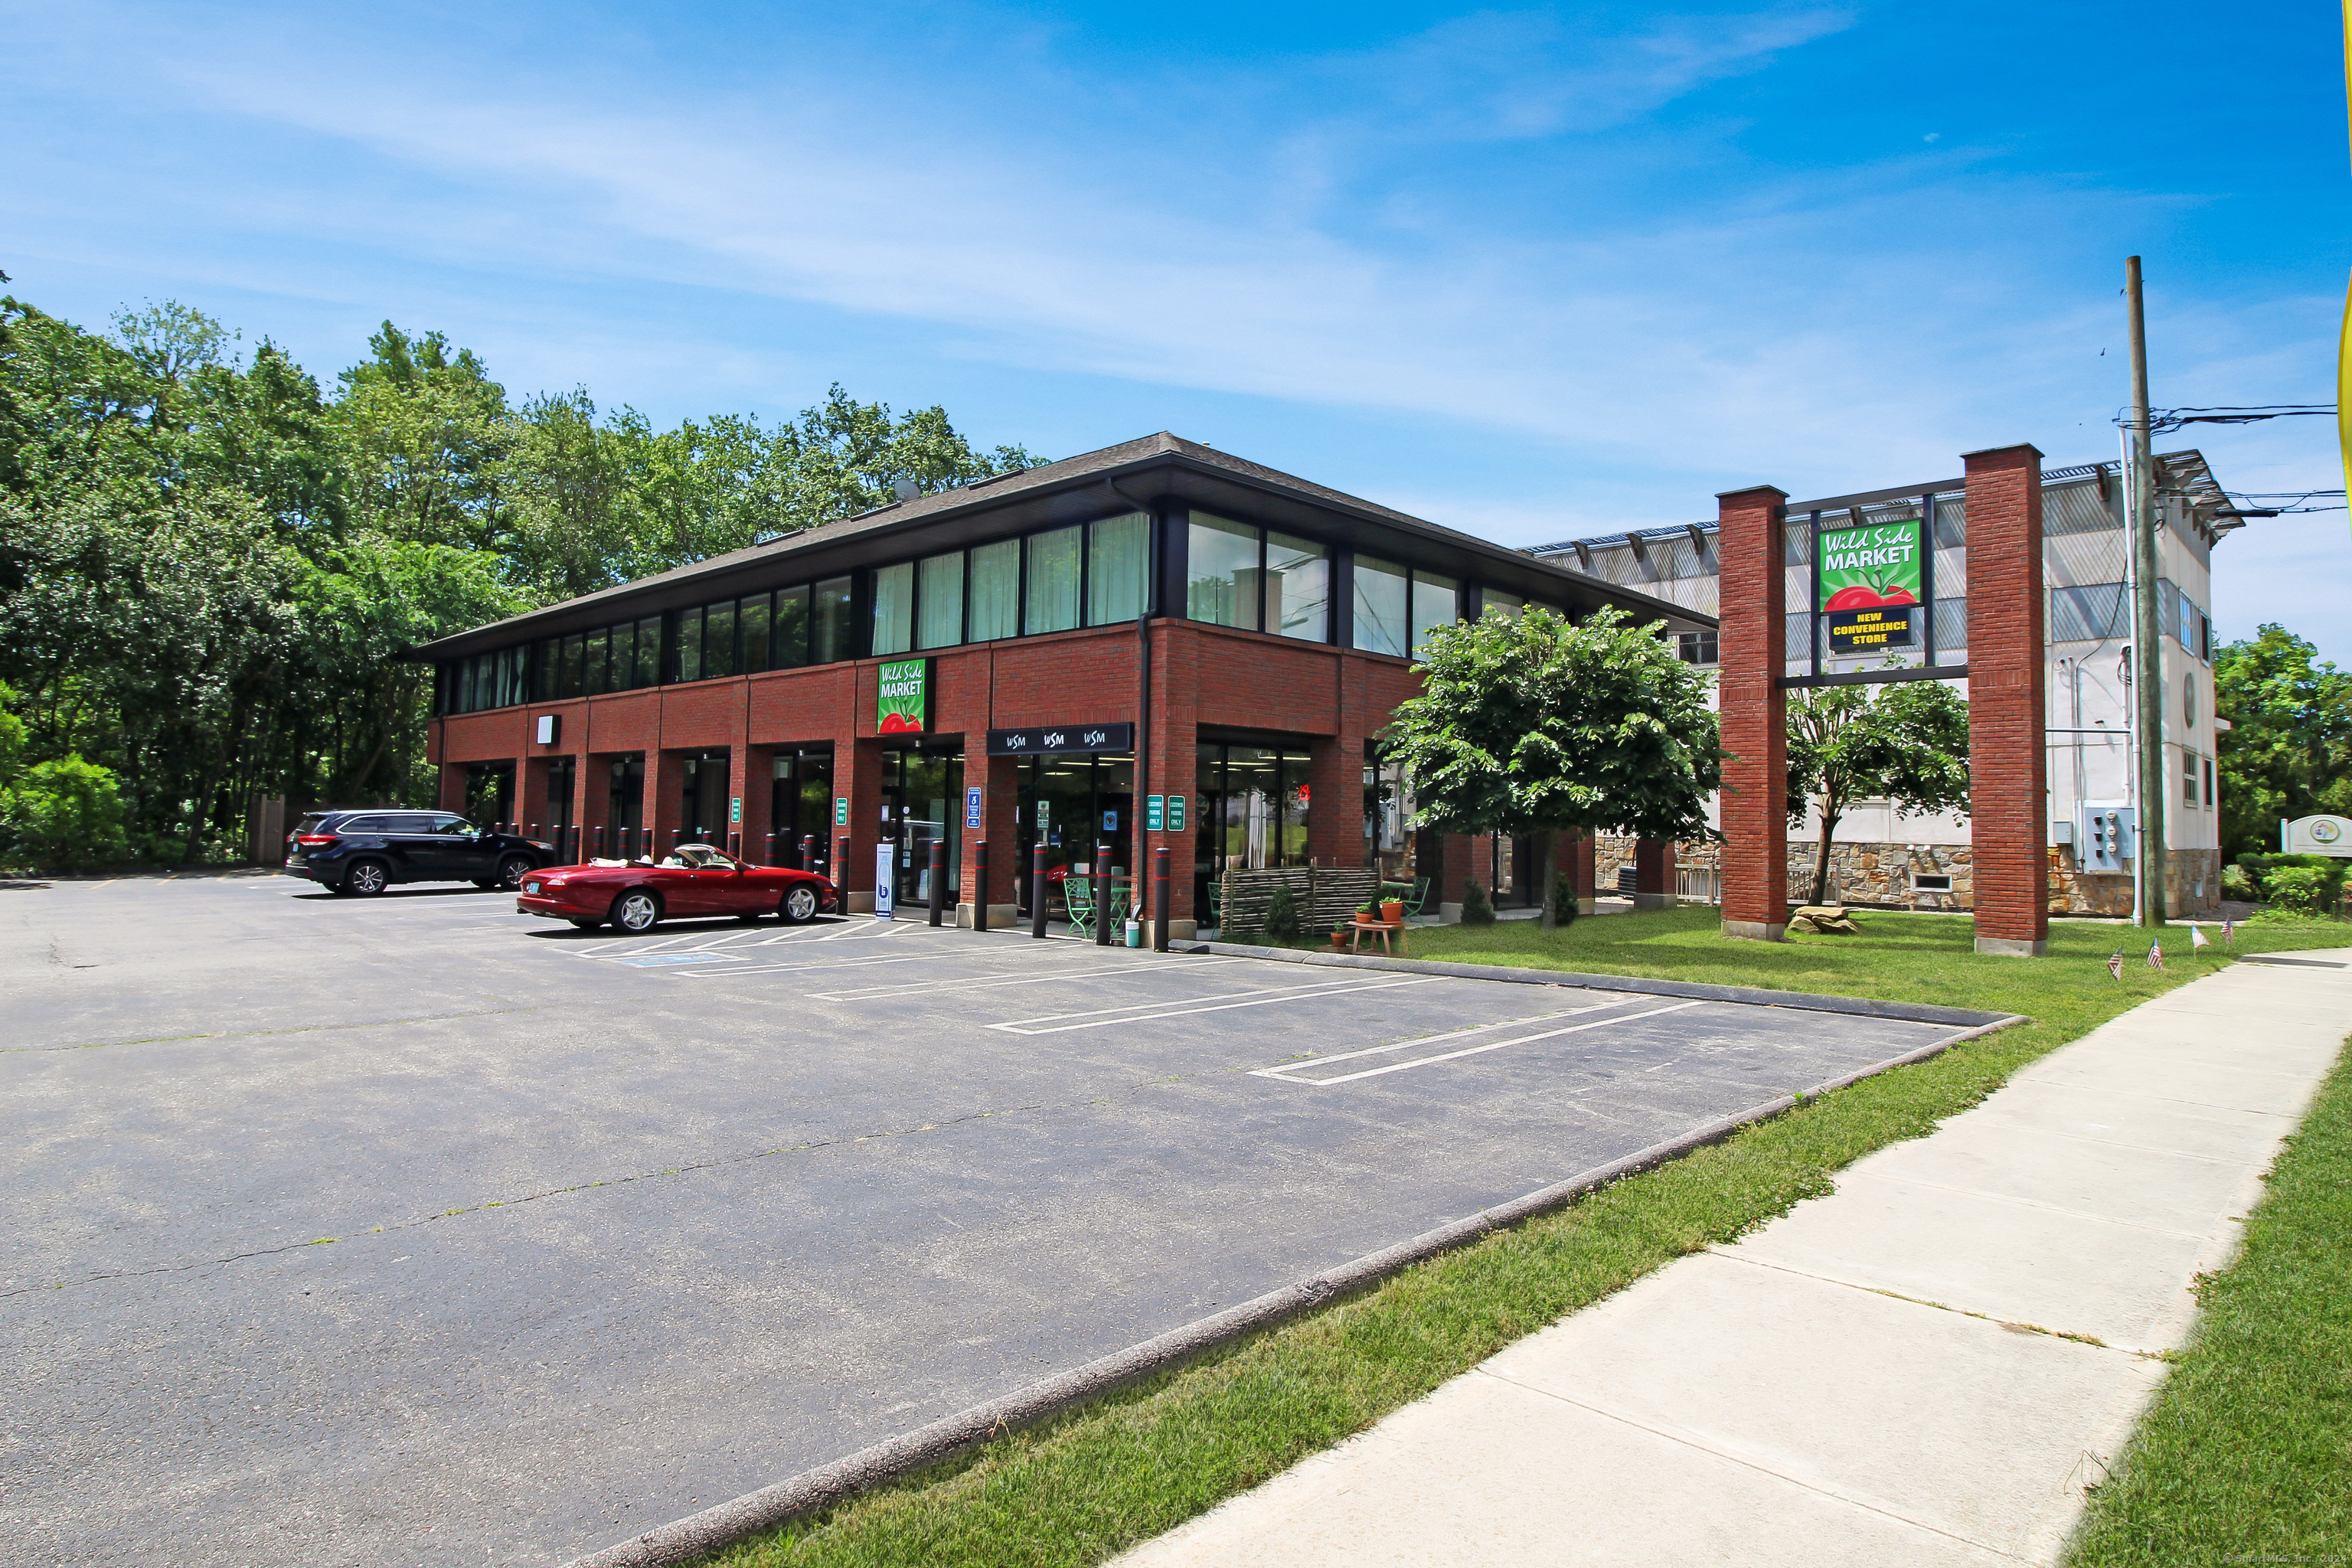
2246	1455
1080	1488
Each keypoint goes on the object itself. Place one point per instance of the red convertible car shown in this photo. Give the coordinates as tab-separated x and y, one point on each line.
692	880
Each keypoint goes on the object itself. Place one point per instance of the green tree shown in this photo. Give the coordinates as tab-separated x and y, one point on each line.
423	430
1530	724
1908	745
2288	751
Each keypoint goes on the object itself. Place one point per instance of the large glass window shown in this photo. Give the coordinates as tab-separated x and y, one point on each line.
751	625
1118	568
1383	597
718	640
570	671
648	651
1052	586
1497	602
1436	602
997	591
595	672
689	643
791	636
545	686
1222	579
940	595
894	608
829	625
1298	588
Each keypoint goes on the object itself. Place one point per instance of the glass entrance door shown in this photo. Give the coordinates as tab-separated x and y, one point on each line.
1253	808
802	807
624	808
702	810
923	804
1070	804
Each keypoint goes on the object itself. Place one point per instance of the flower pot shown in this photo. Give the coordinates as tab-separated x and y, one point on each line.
1392	911
1339	941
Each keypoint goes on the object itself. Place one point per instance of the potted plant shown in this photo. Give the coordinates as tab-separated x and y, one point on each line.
1392	911
1339	938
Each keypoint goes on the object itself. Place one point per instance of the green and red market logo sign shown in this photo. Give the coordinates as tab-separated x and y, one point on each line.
1869	579
904	707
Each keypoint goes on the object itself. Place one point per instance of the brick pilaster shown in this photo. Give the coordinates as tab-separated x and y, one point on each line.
999	781
1654	874
1577	861
1174	768
2006	760
1754	714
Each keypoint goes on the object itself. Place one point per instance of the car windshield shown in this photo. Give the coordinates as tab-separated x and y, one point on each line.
453	825
701	858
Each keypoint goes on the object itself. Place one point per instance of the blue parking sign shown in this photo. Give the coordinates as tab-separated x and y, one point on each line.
972	807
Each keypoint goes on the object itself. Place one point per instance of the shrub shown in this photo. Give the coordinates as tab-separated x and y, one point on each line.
65	816
2300	889
1282	914
1476	909
1563	900
2236	883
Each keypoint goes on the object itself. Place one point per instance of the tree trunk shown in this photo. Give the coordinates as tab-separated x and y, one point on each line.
1821	857
1547	880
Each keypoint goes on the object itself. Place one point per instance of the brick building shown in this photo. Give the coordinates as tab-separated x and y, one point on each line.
1878	856
988	663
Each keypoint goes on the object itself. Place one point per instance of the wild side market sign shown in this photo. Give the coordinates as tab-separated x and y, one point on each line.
1869	585
1048	738
904	704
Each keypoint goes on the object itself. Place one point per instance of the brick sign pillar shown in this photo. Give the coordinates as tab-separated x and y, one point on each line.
2007	763
1654	874
1755	729
998	779
1576	865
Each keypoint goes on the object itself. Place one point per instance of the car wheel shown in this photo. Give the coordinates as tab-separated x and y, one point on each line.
512	870
587	925
638	911
799	907
367	877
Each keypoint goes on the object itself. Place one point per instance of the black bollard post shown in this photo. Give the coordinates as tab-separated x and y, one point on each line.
1159	900
980	885
938	881
1102	895
1037	886
808	851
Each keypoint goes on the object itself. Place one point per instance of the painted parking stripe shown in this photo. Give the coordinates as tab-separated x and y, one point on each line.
1421	1042
804	968
1290	1074
925	987
1110	1018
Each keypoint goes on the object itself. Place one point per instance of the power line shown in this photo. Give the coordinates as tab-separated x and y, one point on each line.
2160	420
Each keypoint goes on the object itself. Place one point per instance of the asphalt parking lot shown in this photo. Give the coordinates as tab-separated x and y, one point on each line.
410	1230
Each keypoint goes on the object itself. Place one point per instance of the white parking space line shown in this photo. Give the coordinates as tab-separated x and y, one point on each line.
1135	1013
1290	1074
925	987
804	968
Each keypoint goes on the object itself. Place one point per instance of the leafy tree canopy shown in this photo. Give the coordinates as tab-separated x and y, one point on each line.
2288	751
1908	745
1530	724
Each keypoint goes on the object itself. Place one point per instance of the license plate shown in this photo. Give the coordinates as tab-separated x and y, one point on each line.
530	888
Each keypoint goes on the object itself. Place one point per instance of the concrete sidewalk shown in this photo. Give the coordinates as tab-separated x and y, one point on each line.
1925	1367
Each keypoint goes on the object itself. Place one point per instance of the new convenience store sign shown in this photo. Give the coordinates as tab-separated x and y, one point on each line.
1869	581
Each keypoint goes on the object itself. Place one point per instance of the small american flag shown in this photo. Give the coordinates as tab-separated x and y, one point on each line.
2115	963
2229	928
2197	938
2156	954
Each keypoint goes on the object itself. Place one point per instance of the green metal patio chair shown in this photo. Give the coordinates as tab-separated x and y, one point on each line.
1078	898
1412	895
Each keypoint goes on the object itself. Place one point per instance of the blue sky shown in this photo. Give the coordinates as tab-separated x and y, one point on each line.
1534	272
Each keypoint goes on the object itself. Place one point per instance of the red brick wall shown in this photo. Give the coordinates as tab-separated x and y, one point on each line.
1754	709
2006	760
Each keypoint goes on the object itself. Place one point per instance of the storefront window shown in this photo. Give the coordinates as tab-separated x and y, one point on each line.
1117	568
1436	602
997	591
894	608
1384	591
1053	582
1298	588
829	629
940	595
1071	802
1255	805
1221	580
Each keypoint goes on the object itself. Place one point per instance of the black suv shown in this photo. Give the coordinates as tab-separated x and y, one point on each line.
365	851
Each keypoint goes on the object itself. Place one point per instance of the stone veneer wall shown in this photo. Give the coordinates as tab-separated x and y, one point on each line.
1881	874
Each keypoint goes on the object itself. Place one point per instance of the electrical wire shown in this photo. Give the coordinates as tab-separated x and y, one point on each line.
2160	420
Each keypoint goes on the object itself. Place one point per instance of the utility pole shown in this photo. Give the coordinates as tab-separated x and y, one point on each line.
2146	633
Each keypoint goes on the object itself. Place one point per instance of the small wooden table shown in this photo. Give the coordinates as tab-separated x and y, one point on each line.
1381	928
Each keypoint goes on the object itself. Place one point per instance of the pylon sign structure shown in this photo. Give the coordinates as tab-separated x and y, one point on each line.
1881	584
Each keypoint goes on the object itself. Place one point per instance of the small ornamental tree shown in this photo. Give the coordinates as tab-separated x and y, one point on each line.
1908	746
1530	724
